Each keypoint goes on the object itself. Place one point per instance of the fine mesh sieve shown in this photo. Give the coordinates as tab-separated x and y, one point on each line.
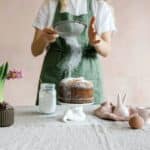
69	28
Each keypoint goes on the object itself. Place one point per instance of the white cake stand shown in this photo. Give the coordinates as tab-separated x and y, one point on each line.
76	110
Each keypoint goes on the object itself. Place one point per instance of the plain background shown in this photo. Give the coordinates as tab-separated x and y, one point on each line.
125	70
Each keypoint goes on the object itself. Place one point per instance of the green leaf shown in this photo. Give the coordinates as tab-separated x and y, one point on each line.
1	72
1	69
2	91
3	76
5	71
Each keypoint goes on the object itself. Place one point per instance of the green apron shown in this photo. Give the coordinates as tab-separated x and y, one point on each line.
89	67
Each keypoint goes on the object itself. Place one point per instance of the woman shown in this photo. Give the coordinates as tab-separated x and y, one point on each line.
95	40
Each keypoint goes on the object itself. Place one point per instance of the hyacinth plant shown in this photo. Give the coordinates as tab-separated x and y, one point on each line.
6	75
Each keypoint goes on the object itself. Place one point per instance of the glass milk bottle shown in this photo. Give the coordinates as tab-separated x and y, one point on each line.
47	98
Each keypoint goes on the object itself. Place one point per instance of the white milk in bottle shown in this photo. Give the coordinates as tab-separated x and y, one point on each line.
47	98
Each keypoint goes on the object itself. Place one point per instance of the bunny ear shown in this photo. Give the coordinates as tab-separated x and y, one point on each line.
124	98
119	102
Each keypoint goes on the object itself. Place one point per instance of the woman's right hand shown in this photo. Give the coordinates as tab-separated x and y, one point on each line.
49	35
42	38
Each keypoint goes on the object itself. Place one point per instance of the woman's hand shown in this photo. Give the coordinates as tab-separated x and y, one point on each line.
49	35
101	43
94	39
41	39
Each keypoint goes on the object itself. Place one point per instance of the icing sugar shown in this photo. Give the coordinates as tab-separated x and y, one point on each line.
76	82
71	87
75	54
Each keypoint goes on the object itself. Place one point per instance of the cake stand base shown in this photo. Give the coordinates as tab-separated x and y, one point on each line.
74	112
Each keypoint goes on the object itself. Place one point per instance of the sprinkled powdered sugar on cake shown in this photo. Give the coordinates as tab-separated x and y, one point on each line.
76	90
76	82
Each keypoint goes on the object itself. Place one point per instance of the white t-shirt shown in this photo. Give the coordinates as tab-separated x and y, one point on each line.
103	12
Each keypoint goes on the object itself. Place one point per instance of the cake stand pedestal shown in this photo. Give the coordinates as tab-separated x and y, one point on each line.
74	112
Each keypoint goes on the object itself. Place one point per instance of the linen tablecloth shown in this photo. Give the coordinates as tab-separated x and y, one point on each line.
35	131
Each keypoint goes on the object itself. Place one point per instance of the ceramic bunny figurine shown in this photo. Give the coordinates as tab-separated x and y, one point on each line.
121	109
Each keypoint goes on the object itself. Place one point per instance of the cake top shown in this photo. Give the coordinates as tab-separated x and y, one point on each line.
76	82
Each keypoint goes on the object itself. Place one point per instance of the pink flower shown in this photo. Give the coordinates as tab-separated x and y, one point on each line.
14	74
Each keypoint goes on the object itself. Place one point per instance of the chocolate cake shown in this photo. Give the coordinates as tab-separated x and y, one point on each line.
76	90
6	115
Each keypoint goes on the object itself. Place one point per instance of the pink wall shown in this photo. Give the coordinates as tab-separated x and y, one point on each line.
126	69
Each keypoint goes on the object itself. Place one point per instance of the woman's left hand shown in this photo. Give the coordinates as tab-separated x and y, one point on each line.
94	38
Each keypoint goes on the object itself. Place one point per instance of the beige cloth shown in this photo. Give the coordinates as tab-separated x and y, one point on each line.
34	131
106	111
